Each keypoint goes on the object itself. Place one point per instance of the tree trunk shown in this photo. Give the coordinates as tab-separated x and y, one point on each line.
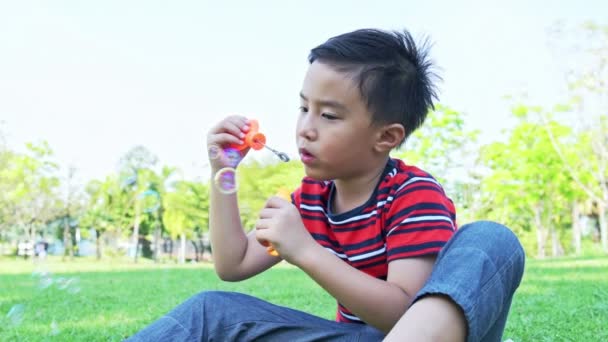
196	250
32	241
182	249
156	241
540	233
576	229
556	246
136	234
603	227
67	240
98	244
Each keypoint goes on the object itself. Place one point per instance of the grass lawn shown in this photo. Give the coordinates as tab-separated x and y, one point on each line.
85	300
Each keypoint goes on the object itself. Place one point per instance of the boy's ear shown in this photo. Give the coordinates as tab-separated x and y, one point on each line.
389	137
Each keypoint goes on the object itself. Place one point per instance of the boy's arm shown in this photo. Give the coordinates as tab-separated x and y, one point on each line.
236	255
419	222
377	302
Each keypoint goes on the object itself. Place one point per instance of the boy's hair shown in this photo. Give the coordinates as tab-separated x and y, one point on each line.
393	75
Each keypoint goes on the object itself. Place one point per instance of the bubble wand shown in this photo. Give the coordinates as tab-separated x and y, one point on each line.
257	141
225	178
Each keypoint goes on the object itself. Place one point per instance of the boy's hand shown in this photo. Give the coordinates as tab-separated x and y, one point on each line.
229	131
280	224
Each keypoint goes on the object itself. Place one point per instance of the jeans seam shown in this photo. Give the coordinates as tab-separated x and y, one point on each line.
179	324
498	276
229	326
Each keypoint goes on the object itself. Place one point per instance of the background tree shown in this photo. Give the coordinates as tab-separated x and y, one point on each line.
444	147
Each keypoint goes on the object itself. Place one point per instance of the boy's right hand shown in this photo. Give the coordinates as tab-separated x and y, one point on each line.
229	131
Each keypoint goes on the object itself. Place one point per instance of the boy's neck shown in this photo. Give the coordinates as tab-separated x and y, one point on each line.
353	192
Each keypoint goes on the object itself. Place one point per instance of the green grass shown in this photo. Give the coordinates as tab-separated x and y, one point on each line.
559	300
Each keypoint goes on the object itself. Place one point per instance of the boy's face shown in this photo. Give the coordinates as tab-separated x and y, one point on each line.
334	131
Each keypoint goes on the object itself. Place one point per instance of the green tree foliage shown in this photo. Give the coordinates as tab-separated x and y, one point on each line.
445	148
526	187
29	190
186	212
257	182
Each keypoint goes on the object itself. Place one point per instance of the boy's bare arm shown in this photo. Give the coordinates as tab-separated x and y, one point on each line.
377	302
236	256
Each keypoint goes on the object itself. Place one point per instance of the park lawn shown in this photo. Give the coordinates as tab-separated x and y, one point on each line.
85	300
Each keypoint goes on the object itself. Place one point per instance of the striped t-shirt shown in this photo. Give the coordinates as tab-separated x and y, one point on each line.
408	215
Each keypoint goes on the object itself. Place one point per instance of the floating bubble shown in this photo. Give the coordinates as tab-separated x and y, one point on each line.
214	152
15	314
62	283
73	285
232	157
45	281
150	200
225	180
54	328
129	180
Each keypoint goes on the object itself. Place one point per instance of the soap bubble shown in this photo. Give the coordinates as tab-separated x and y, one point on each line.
73	285
232	157
15	314
150	200
45	281
54	328
214	152
225	180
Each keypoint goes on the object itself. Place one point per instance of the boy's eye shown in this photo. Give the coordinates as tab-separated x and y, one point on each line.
329	116
303	109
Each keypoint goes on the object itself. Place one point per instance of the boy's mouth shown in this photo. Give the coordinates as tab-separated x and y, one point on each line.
306	156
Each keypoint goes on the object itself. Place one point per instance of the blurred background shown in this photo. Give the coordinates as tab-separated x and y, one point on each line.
104	108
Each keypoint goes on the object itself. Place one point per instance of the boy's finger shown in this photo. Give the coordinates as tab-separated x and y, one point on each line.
267	213
261	224
234	129
276	202
222	139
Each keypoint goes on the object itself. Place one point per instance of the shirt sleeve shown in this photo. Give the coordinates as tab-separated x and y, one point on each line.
420	220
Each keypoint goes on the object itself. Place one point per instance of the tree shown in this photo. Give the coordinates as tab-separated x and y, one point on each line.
258	180
186	211
106	208
73	208
136	168
29	187
588	85
444	147
526	188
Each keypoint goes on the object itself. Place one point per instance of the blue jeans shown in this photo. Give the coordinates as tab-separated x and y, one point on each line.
479	269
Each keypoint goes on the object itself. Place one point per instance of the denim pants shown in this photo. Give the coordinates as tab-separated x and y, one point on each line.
479	269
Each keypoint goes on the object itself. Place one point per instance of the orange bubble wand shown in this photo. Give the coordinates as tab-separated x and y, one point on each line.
257	141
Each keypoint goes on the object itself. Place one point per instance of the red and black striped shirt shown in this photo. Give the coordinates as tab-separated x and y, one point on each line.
408	215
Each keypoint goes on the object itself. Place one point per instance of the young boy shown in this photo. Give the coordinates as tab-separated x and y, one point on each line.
364	226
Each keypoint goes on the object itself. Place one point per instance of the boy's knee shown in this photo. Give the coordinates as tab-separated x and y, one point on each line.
491	234
210	298
499	243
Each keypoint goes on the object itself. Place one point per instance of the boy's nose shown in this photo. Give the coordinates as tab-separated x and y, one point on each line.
306	129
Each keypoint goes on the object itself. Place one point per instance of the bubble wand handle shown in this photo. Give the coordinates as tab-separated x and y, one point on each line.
253	138
269	248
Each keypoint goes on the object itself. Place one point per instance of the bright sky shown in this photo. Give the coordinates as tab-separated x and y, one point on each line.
96	78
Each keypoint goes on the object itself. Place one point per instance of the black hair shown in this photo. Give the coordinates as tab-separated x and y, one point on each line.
394	76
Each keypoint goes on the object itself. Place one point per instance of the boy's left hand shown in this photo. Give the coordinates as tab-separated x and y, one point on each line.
280	224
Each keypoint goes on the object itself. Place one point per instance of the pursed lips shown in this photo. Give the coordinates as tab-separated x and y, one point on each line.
306	156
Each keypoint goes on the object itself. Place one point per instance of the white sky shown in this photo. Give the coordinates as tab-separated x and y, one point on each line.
96	78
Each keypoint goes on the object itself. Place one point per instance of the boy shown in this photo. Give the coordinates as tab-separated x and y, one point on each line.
364	226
